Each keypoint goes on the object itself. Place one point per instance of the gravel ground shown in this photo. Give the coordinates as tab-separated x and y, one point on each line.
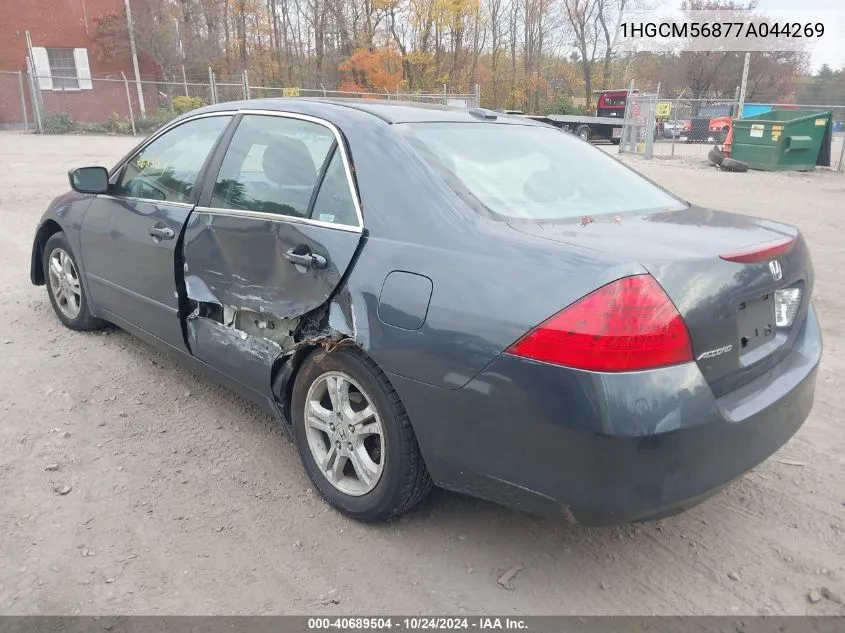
182	499
698	151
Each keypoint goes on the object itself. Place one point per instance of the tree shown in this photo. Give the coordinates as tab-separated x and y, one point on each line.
582	15
156	35
527	54
379	70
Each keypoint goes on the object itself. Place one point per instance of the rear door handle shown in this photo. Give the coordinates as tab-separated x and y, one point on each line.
308	260
162	233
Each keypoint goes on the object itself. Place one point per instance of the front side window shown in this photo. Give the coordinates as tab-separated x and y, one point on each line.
273	165
535	173
167	169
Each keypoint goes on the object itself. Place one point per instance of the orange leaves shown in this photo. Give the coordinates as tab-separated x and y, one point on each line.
351	86
379	70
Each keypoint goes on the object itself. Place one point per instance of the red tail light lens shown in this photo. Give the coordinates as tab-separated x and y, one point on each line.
760	252
627	325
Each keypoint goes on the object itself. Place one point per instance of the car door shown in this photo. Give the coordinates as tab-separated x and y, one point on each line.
270	241
129	237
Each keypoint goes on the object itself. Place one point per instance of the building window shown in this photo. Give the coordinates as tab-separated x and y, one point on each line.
63	68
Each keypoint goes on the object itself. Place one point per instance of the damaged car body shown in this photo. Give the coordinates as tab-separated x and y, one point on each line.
414	293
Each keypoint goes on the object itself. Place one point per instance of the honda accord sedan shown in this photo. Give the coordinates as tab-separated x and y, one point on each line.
432	296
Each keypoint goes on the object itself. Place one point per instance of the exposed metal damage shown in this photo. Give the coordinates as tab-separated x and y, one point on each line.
249	309
265	348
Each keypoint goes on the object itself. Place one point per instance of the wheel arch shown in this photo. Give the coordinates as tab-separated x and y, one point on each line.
45	231
284	373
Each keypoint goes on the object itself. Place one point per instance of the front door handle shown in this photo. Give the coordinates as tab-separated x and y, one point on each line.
162	233
308	260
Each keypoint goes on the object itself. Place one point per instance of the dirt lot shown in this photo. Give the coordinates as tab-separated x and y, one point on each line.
186	500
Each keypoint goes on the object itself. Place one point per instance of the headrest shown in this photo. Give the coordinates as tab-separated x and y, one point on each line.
288	162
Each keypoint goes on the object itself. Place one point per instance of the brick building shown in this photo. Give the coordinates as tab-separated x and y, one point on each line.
71	76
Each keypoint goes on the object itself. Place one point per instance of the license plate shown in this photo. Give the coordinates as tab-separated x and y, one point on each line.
756	323
617	132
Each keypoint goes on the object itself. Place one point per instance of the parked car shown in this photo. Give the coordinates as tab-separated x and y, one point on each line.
673	128
426	295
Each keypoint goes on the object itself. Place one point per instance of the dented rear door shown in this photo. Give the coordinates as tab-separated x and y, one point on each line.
269	243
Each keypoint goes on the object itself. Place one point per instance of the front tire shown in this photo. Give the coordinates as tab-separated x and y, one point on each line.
65	287
354	437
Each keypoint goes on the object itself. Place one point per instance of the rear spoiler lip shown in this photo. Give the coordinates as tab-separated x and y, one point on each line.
761	252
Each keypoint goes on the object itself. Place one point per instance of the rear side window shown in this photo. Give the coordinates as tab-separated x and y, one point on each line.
273	165
521	172
334	201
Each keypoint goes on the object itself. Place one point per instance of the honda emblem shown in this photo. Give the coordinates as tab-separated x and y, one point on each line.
774	268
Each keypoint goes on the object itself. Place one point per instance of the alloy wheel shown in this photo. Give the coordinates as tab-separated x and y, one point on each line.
64	283
345	433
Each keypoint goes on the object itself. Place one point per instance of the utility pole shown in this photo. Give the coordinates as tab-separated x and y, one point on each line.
134	49
741	104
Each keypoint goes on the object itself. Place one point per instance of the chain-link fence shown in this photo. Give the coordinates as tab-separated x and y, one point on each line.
14	102
639	124
688	128
112	105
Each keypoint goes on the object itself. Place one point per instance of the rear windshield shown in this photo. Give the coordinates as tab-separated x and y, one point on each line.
613	102
518	172
714	111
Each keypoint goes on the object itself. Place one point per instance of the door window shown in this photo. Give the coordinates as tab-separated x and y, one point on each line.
273	165
167	169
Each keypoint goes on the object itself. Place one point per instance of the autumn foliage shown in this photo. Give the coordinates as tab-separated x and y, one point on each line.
531	55
372	71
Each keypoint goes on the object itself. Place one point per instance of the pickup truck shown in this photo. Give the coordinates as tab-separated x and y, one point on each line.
710	123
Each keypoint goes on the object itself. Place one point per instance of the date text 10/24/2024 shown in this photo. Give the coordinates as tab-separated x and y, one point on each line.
420	623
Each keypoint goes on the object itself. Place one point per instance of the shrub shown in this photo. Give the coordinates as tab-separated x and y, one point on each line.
181	105
152	121
112	125
564	105
58	123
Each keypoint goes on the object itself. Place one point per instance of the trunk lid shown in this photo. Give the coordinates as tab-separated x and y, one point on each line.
728	306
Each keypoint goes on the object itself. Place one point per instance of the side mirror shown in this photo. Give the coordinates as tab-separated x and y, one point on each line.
89	179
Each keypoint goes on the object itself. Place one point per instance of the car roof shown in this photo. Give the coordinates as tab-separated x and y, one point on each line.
388	111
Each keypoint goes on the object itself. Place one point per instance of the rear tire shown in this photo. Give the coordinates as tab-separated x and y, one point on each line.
65	286
374	472
731	164
716	157
583	132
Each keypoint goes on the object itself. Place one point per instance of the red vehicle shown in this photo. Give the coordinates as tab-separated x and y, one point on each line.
606	125
611	103
710	122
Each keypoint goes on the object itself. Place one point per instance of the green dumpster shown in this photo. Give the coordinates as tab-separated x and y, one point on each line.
783	140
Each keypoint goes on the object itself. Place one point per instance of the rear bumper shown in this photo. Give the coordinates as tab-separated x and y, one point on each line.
607	448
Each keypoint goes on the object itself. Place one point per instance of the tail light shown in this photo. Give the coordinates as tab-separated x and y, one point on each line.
760	252
787	302
627	325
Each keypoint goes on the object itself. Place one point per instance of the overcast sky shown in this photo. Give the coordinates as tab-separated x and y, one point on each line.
830	49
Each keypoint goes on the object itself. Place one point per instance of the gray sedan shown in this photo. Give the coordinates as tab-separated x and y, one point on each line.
460	298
